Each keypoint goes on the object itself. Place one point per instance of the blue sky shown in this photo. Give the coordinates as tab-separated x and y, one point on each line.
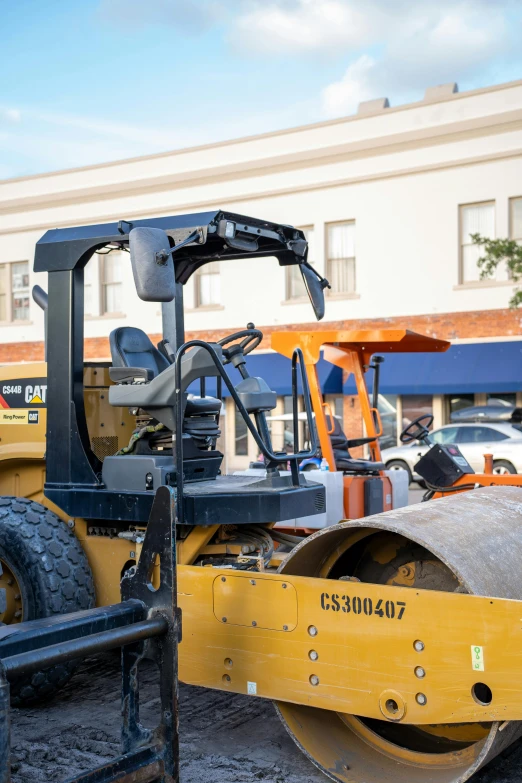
97	80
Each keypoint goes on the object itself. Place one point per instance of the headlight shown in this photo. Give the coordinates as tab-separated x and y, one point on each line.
230	230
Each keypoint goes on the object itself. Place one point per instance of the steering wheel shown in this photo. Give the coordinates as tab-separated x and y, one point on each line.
251	339
418	429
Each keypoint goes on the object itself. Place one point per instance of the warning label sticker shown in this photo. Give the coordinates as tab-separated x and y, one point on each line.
22	392
477	658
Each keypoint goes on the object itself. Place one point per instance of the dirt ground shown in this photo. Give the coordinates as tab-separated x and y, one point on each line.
225	738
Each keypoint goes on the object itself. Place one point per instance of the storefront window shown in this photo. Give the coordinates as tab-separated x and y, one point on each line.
338	407
388	412
470	407
459	402
502	400
415	405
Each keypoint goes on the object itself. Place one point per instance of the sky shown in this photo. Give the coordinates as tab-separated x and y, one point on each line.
88	81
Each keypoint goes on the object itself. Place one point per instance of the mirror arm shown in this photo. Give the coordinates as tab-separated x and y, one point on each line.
162	256
324	282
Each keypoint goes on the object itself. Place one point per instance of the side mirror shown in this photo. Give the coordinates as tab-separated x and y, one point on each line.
315	288
152	264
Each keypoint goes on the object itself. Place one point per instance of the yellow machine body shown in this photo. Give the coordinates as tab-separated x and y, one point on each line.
400	650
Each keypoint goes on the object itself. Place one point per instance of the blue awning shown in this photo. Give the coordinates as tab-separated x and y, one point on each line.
464	368
276	370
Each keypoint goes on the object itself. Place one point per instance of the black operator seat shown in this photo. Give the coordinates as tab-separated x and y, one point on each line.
343	460
145	379
131	347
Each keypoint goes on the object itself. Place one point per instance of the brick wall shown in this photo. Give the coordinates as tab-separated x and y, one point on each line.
446	326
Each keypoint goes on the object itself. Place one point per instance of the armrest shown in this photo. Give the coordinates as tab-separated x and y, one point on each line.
130	374
352	444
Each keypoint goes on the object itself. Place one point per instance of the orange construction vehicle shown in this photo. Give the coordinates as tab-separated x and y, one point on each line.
445	470
367	489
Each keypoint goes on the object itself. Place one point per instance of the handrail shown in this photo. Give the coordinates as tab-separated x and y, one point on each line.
328	409
378	422
40	297
269	455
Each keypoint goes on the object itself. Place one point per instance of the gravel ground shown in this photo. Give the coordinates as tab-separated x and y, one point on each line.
225	738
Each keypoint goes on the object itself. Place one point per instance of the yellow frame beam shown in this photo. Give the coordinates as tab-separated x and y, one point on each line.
376	648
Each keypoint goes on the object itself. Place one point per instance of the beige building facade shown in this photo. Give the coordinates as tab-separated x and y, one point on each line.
388	198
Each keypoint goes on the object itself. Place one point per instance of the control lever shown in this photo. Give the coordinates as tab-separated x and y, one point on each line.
165	349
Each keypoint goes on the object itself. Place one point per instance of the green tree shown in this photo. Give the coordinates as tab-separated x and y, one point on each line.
497	251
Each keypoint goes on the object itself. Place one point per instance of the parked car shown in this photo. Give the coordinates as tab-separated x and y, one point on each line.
504	441
495	410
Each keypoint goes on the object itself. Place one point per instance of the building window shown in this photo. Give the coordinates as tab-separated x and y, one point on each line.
111	275
295	287
460	402
415	405
515	219
474	219
14	291
340	255
387	406
337	405
208	286
501	400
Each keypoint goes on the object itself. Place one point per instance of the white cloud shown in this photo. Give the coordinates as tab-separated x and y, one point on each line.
391	48
433	46
356	85
10	115
303	26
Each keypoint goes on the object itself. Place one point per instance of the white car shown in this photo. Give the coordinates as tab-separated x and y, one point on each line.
504	441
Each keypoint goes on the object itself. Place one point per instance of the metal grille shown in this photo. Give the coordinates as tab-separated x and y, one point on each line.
105	447
320	501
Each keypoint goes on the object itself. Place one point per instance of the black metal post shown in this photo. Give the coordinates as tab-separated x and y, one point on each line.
160	542
44	657
172	321
69	458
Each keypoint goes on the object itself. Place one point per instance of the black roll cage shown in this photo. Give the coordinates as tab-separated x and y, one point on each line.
63	253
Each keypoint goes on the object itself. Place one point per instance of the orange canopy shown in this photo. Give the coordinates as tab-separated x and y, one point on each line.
364	341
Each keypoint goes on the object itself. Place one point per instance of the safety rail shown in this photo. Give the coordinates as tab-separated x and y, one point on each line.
272	457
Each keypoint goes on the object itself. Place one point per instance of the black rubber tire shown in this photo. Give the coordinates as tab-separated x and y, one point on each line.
54	576
399	464
504	463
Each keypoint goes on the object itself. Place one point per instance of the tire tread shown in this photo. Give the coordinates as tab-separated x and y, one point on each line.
59	579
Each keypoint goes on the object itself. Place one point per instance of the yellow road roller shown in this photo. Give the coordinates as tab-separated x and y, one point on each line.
391	645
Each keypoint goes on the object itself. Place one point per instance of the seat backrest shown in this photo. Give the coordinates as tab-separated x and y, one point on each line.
131	347
337	437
